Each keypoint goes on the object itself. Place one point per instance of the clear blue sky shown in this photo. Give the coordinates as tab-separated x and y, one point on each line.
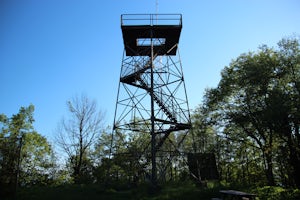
51	50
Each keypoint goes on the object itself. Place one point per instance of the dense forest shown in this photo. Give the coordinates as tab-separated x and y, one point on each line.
250	122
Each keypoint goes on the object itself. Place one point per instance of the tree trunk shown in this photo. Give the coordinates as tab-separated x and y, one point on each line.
81	151
269	170
297	156
295	163
294	158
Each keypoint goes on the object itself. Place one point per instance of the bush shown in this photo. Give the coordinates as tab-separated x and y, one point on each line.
276	193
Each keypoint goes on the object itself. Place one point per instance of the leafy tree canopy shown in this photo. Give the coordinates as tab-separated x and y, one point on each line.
26	156
258	98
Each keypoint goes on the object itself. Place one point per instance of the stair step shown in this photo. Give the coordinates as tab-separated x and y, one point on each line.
158	101
134	76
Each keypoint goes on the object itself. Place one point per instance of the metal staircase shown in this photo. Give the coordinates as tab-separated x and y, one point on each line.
135	79
159	101
131	78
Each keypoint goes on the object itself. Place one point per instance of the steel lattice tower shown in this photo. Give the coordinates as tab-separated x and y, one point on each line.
152	100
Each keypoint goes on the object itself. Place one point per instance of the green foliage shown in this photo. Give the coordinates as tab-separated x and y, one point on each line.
203	133
36	160
85	175
172	190
250	122
255	110
26	158
186	190
276	193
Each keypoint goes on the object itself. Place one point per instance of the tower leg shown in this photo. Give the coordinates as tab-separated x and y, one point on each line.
153	139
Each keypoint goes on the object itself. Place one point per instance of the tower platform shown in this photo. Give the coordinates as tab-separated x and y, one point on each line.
139	29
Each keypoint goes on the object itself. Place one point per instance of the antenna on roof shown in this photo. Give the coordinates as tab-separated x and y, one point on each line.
156	9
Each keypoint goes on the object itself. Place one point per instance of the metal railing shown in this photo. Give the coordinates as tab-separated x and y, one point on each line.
151	19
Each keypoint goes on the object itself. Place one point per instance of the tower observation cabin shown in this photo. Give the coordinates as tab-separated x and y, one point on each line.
152	100
140	30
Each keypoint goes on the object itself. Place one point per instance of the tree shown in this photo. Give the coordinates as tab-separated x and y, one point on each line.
25	155
259	95
77	135
203	133
37	160
123	157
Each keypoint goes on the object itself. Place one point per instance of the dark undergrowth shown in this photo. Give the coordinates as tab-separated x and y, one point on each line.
174	191
186	190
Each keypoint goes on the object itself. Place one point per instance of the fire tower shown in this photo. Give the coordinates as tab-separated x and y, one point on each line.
151	100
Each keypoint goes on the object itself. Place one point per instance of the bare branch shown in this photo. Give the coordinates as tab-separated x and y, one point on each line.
79	133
